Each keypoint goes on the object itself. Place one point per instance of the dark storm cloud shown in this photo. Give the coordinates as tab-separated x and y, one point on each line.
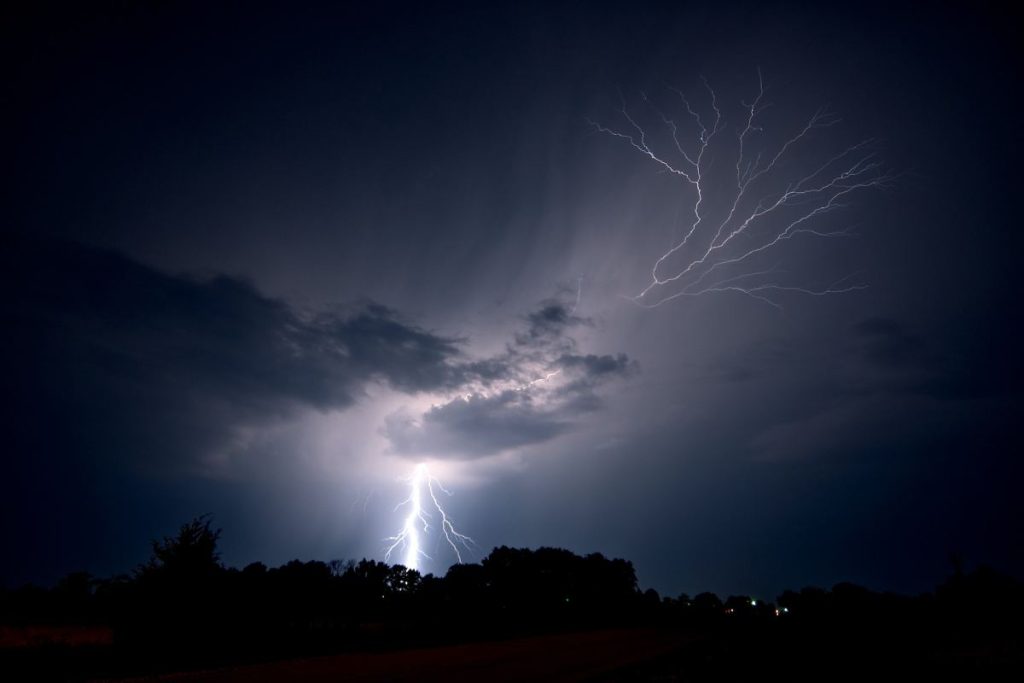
179	363
551	386
886	343
377	344
901	385
596	366
164	370
476	426
900	360
547	323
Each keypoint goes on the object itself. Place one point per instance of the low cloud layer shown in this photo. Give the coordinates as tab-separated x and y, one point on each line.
898	360
533	392
162	371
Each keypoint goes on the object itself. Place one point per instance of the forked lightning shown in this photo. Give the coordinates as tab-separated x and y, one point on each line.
709	249
417	521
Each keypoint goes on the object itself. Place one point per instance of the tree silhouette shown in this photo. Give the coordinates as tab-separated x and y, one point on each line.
183	609
191	554
176	606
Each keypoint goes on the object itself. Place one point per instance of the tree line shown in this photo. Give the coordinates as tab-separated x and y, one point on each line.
184	608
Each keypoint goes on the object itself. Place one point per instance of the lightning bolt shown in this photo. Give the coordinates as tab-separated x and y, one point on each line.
779	215
534	369
417	520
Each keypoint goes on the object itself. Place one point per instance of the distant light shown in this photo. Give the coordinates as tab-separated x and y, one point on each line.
785	609
776	612
753	603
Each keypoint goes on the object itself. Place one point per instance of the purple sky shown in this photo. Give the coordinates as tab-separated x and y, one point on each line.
262	264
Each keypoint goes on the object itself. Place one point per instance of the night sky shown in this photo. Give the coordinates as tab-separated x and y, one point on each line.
261	263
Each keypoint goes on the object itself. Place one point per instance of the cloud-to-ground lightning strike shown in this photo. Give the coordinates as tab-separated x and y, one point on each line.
779	214
538	374
417	520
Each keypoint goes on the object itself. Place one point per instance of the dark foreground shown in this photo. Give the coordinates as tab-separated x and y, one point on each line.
721	650
637	654
599	655
520	614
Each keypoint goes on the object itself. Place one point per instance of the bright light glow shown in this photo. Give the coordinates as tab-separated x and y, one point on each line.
417	520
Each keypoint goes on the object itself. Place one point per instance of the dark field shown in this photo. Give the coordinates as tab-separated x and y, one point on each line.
600	655
639	654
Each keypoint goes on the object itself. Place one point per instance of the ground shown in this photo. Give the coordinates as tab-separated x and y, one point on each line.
559	658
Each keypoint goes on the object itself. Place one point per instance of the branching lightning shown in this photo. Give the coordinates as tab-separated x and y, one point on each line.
536	378
759	217
417	520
